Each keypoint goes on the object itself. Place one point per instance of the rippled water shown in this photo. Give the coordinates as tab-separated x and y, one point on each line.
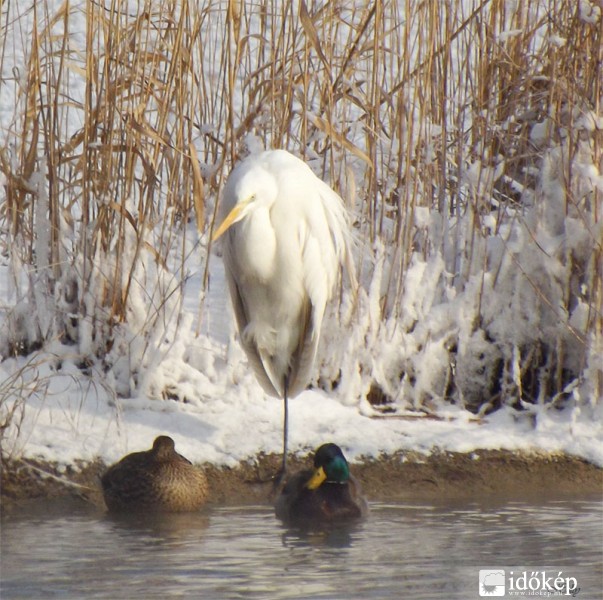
404	550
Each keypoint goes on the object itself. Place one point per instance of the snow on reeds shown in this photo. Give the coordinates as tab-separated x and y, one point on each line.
466	137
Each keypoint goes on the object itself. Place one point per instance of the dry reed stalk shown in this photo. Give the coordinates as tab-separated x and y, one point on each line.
407	97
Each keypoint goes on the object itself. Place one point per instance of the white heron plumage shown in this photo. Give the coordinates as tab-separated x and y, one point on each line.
286	236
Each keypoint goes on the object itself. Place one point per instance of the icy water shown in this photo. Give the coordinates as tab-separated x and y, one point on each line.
404	550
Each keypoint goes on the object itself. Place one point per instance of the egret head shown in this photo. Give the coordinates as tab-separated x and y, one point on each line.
238	212
330	465
249	186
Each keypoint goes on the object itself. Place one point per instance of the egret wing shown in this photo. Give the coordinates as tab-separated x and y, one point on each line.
324	244
302	360
251	350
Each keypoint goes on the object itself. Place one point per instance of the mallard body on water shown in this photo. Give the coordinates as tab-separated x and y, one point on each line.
328	493
158	479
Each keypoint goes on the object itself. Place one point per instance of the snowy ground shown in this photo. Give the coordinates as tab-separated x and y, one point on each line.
73	416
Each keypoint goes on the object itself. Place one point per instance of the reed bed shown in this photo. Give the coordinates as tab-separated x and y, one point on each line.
465	134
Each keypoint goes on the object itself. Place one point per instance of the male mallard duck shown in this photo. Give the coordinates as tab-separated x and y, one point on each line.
328	493
158	479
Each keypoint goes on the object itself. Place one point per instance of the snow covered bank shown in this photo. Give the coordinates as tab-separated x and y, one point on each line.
219	414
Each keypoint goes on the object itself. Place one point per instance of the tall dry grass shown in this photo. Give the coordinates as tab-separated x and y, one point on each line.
128	115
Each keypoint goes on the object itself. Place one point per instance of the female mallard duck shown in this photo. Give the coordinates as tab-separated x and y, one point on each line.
158	479
328	493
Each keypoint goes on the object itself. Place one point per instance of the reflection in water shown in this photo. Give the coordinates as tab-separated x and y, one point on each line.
402	550
340	536
164	528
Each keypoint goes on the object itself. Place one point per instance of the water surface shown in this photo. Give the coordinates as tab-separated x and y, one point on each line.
404	550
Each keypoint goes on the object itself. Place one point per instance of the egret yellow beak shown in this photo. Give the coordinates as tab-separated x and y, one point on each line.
232	217
317	478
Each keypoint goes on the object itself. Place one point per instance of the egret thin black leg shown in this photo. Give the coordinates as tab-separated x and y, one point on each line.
285	426
280	477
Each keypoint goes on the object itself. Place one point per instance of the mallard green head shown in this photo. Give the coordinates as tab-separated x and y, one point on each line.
329	465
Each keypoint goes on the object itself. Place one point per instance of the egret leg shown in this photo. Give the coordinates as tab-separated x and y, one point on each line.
280	477
285	425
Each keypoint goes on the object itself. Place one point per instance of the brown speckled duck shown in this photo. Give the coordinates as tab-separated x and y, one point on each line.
329	493
158	479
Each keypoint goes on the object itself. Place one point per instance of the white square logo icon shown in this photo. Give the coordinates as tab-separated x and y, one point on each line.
491	582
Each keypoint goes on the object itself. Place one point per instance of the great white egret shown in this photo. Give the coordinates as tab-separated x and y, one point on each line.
286	237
